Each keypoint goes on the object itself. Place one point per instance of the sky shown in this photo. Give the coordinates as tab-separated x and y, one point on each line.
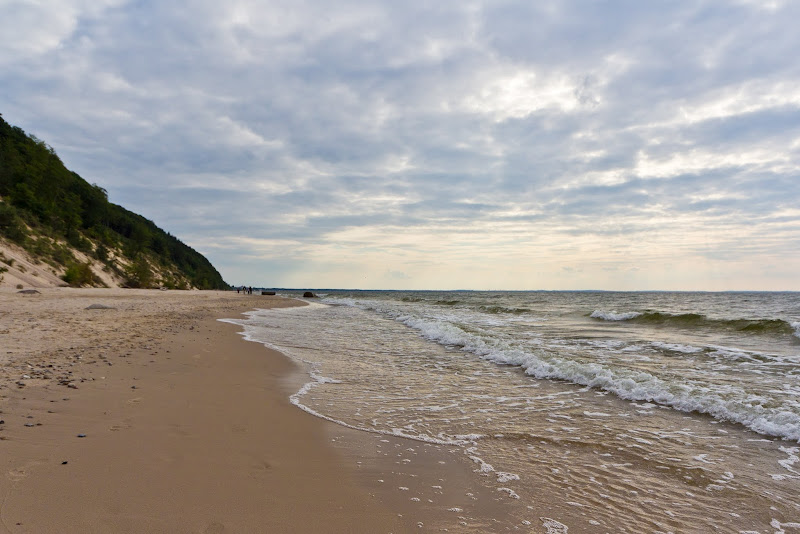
618	145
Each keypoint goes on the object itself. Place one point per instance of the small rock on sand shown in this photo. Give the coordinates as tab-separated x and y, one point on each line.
99	307
28	292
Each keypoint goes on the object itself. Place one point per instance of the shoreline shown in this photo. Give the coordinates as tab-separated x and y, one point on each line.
428	486
163	420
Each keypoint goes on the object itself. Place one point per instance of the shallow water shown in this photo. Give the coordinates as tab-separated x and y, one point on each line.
638	412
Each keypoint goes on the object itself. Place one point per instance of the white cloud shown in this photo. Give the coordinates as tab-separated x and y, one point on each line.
35	27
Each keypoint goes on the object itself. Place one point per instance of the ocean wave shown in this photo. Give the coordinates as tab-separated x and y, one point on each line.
614	316
677	347
501	309
729	403
696	320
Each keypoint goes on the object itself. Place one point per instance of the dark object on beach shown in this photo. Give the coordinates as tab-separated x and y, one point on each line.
99	307
309	295
2	422
29	424
267	292
28	292
81	435
64	462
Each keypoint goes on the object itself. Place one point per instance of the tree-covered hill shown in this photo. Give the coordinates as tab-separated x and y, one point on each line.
69	224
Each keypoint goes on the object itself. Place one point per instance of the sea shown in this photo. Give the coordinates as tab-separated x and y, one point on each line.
637	411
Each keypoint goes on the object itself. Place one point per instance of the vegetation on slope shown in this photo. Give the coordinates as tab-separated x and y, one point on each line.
51	211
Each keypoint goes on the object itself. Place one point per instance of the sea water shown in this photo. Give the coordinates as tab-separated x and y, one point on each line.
633	412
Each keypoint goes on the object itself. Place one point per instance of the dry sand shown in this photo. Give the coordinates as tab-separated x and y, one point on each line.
187	427
150	415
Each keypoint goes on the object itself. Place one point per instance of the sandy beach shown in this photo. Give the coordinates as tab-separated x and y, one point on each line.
152	416
139	411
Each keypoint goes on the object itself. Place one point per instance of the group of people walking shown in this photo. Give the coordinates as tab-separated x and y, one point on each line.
245	289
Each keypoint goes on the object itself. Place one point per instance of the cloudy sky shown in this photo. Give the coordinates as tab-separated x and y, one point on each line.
474	144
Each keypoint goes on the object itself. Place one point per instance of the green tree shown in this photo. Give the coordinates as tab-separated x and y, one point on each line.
139	274
79	274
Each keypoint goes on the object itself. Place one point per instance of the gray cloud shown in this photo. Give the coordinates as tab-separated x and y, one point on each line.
289	140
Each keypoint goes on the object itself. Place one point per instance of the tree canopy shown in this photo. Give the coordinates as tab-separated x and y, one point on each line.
38	191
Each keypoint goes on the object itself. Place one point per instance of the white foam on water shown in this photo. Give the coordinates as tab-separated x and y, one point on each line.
788	463
486	468
676	347
468	437
729	403
779	527
614	316
735	354
511	493
506	477
796	326
553	527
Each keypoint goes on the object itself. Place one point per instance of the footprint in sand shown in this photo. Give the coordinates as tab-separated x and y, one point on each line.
125	424
15	475
18	473
258	469
215	528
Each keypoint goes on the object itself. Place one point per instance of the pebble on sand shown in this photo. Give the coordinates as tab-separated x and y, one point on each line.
99	307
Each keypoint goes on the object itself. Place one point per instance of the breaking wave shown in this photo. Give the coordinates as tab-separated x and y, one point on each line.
614	316
696	320
501	309
733	404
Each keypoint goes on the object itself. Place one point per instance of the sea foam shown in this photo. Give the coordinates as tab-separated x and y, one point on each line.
614	316
730	404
